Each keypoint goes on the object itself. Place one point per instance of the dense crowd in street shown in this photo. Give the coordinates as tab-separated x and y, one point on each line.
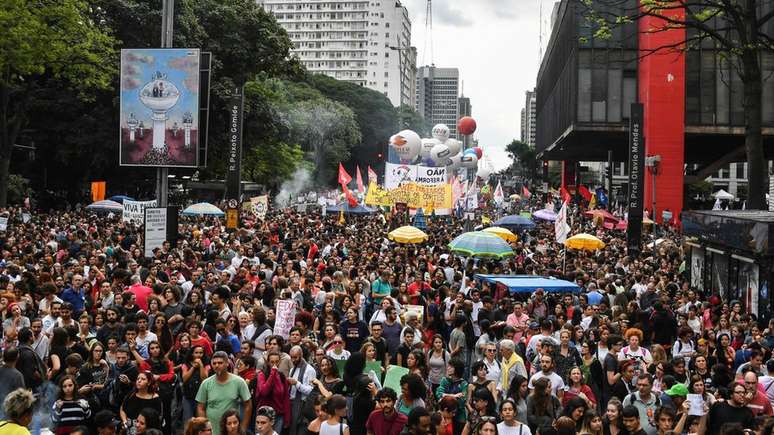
97	339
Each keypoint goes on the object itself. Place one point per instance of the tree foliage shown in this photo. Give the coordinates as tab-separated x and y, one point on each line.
524	158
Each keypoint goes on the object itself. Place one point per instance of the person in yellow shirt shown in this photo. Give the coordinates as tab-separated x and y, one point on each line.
18	412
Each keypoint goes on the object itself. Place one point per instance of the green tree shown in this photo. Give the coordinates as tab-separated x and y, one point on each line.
271	163
376	118
41	42
410	119
739	31
524	159
326	131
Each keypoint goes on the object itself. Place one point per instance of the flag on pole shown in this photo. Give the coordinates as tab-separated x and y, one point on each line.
565	195
602	196
360	187
585	193
344	178
593	202
561	228
525	192
499	197
350	197
372	177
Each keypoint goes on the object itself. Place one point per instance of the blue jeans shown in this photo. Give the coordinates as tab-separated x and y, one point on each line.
189	409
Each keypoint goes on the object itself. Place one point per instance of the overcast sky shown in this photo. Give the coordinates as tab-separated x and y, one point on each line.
494	43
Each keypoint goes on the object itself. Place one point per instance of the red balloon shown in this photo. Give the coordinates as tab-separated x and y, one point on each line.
466	125
479	152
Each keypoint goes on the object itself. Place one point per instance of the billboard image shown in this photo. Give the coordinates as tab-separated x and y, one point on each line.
159	107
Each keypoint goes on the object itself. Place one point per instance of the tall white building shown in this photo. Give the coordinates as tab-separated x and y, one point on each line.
438	90
529	119
366	42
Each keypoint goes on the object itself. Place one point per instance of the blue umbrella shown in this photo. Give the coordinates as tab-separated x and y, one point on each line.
360	209
121	198
515	222
202	209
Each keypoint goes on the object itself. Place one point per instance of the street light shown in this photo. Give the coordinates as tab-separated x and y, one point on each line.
652	163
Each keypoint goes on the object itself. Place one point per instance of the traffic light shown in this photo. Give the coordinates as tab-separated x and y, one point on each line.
607	171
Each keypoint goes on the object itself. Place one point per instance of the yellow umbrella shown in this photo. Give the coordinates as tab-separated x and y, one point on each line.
584	241
407	234
515	196
502	233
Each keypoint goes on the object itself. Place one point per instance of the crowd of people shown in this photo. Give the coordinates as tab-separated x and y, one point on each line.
97	339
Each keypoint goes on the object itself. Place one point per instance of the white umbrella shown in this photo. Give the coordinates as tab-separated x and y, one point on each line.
722	194
202	209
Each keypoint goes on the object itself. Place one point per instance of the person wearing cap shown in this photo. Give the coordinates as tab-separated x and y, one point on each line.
546	333
675	396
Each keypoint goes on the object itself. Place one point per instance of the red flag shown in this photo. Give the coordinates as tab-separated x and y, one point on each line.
585	193
372	177
344	178
360	187
525	192
350	197
565	195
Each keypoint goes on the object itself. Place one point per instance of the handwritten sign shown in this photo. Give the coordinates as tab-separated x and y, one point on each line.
413	195
285	317
135	210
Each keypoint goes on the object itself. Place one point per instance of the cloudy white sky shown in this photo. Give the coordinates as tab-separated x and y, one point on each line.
495	45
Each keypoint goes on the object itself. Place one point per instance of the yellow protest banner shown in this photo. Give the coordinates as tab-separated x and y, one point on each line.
412	194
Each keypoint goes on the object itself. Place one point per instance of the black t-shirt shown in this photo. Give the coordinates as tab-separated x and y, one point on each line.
403	351
381	348
722	412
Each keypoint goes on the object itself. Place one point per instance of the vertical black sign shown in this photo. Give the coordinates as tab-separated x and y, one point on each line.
234	165
635	196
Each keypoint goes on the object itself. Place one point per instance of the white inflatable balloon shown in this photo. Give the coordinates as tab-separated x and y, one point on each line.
407	144
484	171
469	161
427	146
455	162
440	154
441	132
454	145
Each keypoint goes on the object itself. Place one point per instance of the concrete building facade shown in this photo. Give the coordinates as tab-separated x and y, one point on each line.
437	99
360	41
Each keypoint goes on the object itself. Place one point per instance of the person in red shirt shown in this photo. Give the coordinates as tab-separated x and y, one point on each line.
416	288
756	400
385	420
141	292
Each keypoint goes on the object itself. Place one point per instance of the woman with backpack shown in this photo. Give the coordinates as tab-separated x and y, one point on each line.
194	370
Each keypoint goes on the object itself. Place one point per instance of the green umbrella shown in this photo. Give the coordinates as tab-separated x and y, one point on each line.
480	244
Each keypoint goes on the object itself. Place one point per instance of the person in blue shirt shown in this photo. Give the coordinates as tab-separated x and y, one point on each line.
224	334
75	295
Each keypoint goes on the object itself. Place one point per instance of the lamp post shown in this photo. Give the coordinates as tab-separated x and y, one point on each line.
652	163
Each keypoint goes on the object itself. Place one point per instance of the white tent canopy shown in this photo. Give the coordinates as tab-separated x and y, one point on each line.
722	194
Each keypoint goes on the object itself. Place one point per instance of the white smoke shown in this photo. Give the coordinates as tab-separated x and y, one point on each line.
300	182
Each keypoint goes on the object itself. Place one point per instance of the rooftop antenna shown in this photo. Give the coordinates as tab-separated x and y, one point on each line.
428	32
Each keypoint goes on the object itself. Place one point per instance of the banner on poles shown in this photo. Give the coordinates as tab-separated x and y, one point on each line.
413	195
135	210
396	175
285	317
155	219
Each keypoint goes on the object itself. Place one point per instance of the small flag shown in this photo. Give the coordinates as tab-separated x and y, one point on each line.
525	192
485	220
499	197
560	225
344	178
601	196
565	195
351	200
593	202
372	177
360	187
341	217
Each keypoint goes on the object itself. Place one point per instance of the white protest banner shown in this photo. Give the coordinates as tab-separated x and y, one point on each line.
285	317
3	223
26	217
135	210
155	229
397	174
260	205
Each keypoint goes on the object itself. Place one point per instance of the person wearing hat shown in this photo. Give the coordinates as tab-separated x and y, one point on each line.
677	395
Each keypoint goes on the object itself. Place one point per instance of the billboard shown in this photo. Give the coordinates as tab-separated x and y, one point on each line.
397	174
159	107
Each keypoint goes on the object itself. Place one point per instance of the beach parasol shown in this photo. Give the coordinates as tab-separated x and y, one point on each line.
606	215
584	241
503	233
202	209
515	222
106	205
480	244
407	234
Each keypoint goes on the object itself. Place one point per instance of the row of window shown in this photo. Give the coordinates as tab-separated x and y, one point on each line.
316	6
344	25
355	16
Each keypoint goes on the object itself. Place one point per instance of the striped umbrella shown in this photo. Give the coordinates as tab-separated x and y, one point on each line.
480	244
106	205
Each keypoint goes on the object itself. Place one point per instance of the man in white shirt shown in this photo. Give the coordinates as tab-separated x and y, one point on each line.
547	371
300	379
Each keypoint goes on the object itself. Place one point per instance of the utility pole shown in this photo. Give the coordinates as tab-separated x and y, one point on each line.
167	32
609	175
